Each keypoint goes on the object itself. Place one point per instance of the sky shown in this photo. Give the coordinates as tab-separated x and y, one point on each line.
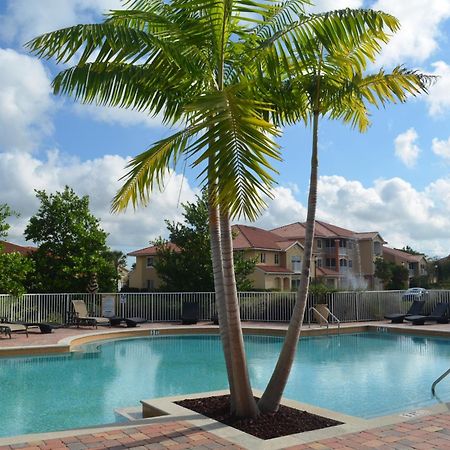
394	179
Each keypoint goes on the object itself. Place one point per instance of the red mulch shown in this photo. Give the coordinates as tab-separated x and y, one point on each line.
267	426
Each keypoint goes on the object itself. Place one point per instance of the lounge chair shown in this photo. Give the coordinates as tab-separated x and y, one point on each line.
82	316
415	309
44	327
7	328
439	315
130	322
189	313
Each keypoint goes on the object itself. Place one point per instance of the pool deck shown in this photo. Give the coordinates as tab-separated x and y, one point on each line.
424	429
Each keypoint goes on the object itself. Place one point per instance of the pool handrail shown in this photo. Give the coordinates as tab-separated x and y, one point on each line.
439	379
312	308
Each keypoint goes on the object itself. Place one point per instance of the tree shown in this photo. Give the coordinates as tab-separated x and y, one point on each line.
198	64
14	267
188	266
72	246
410	250
329	79
393	276
119	261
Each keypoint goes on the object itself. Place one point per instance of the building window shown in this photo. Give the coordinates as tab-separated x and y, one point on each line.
276	258
377	248
350	263
342	243
329	243
295	283
343	262
349	244
150	261
330	262
319	262
319	243
150	285
262	257
296	264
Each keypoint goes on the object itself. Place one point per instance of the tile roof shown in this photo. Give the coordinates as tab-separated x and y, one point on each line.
297	230
401	254
8	247
274	269
253	237
152	250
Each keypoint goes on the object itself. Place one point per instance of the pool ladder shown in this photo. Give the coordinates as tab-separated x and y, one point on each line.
325	319
439	379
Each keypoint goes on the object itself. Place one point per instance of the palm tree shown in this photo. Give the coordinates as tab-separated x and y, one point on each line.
331	82
198	64
181	59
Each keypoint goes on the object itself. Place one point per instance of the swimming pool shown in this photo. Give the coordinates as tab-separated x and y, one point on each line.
365	375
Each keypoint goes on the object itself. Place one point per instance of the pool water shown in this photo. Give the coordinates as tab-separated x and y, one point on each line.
365	375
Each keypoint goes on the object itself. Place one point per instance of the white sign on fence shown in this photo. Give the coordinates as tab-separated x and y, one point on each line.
108	309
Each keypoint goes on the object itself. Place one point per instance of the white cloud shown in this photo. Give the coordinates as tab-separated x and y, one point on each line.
419	35
438	98
394	208
25	19
25	101
441	148
282	209
402	214
406	149
21	173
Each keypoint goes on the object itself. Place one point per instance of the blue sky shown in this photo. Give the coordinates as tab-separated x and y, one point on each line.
393	179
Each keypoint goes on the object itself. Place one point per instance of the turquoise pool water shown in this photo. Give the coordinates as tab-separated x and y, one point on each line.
362	374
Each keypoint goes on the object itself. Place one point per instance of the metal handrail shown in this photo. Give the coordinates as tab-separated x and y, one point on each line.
439	379
325	319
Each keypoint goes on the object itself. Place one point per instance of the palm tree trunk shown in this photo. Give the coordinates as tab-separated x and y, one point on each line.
216	256
271	398
244	402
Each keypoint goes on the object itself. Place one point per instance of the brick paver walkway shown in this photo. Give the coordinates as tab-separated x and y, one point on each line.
172	435
426	433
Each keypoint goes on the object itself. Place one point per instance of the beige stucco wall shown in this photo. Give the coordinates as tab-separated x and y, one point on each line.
258	279
295	250
141	274
367	256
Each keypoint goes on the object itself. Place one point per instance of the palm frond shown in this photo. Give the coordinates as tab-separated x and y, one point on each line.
147	170
238	143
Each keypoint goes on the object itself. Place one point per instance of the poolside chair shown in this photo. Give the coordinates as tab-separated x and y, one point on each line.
415	309
130	322
44	327
82	316
7	328
438	315
189	313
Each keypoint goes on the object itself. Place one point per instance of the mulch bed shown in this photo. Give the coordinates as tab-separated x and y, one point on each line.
267	426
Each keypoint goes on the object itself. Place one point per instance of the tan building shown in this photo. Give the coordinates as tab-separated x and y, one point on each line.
144	275
278	261
343	259
416	264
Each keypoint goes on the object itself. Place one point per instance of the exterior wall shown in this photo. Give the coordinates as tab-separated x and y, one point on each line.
258	279
269	256
140	276
367	256
294	251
